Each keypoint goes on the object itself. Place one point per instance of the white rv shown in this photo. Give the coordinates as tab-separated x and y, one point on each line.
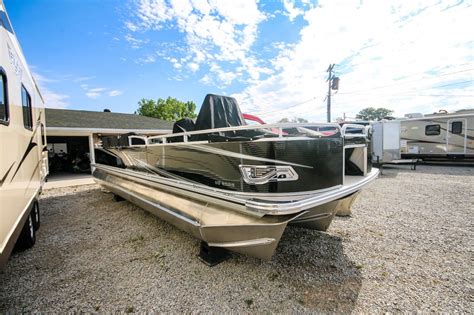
438	136
23	150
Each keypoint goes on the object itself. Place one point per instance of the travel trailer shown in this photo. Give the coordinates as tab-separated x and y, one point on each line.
23	154
439	136
237	186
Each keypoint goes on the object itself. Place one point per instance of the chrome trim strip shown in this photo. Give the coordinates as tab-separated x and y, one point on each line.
189	185
260	208
274	173
247	243
314	201
312	218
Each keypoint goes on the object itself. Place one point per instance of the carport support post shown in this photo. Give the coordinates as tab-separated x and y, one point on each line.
91	151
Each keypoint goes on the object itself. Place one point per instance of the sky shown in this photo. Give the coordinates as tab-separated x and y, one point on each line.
272	56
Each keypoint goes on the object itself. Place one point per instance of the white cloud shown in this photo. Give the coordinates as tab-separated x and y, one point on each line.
82	79
132	27
135	43
193	66
51	99
390	54
42	79
292	10
215	31
92	95
146	59
97	90
54	100
115	93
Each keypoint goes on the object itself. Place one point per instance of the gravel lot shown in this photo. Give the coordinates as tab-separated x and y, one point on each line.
407	247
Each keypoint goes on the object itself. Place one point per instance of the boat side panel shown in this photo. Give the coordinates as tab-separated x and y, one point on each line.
318	163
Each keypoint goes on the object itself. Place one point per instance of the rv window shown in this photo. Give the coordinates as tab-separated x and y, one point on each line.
4	22
26	105
432	130
3	98
456	127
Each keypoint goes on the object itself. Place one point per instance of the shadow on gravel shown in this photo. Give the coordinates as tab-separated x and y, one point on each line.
315	266
87	242
435	169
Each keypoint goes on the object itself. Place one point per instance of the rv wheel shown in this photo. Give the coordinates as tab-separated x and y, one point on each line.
27	236
36	216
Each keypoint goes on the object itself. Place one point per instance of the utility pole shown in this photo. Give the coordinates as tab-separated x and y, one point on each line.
330	78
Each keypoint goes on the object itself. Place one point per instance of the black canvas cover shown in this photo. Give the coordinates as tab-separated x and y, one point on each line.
218	111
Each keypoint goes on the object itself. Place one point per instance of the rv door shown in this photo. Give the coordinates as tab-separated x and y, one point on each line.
456	136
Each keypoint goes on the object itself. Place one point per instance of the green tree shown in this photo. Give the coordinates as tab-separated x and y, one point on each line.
168	109
294	120
372	113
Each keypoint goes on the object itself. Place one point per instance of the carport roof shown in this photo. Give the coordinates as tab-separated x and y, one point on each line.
66	118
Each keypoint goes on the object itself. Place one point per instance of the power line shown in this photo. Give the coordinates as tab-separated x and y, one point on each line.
449	84
432	95
380	87
402	83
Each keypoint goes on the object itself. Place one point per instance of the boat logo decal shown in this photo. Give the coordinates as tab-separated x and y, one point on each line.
262	174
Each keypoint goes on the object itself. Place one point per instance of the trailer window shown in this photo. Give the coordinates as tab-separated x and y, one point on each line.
26	106
456	127
432	130
4	115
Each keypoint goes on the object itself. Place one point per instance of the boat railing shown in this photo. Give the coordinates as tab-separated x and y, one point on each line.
137	140
361	130
280	127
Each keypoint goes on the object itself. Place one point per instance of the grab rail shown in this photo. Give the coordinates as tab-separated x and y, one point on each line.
130	140
364	130
279	126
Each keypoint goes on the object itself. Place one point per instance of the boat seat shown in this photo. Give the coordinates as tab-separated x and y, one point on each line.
182	125
116	141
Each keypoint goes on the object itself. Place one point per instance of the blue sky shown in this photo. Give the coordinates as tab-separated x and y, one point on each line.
410	56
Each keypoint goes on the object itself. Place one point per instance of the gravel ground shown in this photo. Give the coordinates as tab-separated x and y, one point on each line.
407	247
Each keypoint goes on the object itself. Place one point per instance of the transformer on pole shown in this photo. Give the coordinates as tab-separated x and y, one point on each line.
333	84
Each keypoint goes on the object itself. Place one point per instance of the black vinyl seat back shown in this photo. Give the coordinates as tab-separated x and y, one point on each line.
182	125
